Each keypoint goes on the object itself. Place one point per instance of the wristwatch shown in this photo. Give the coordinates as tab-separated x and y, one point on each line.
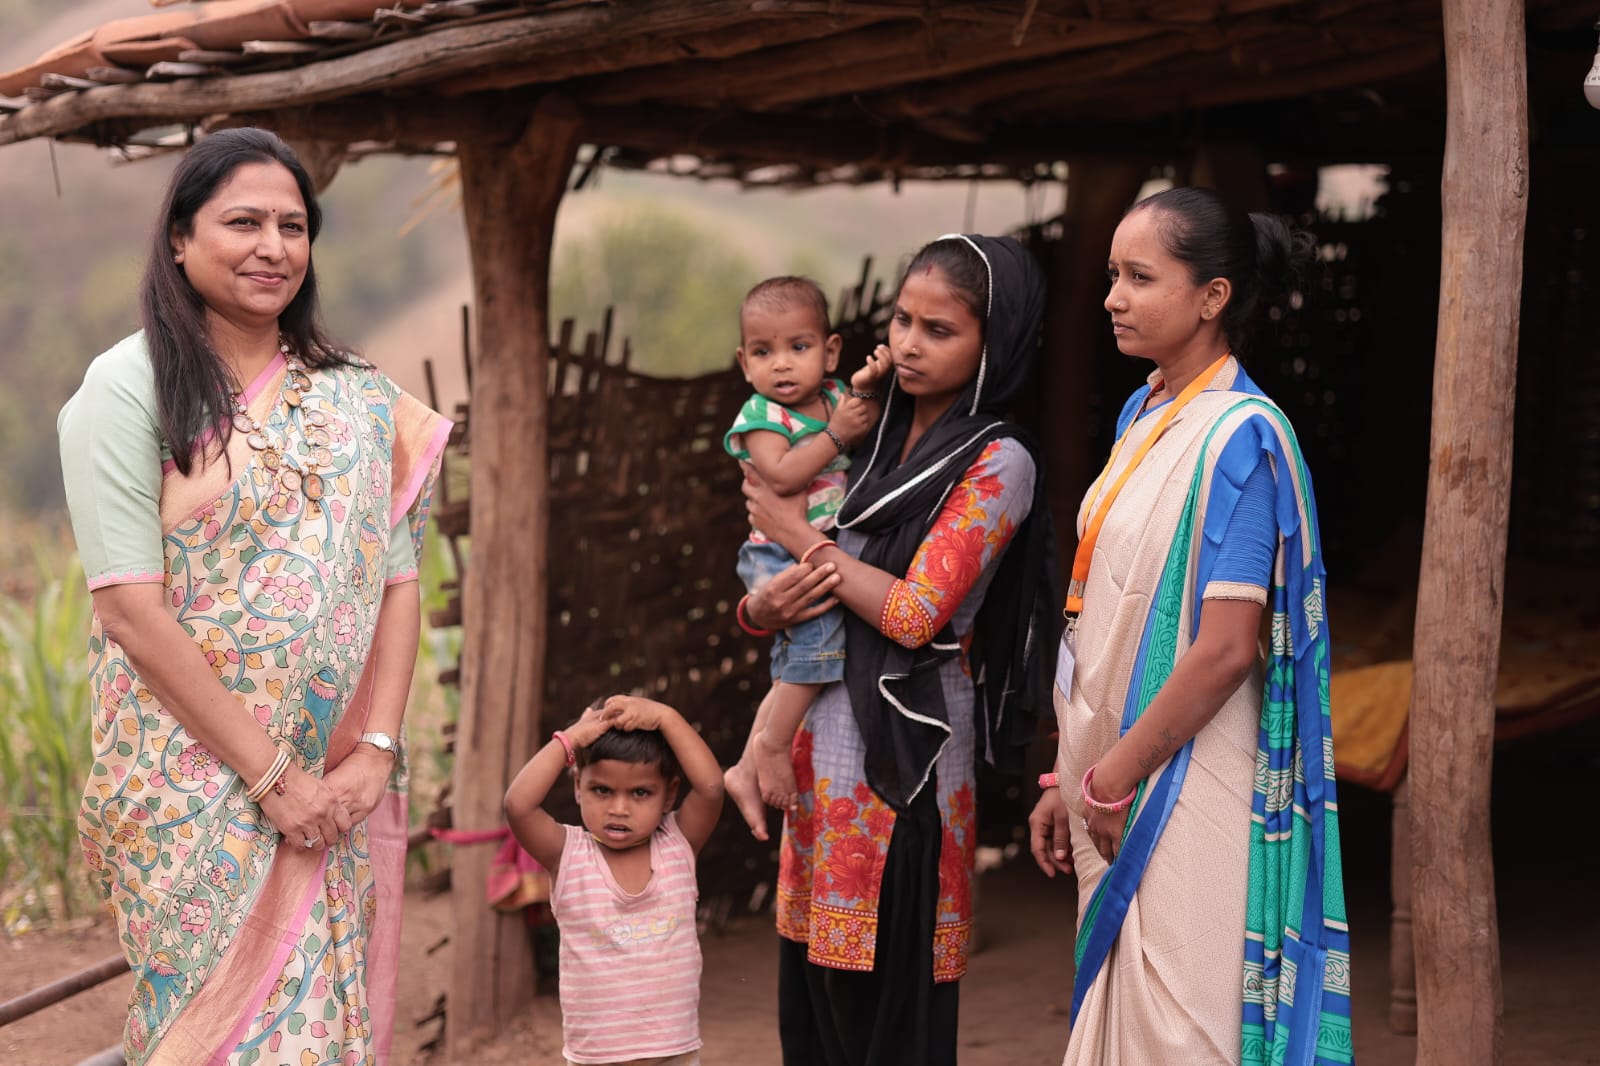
382	741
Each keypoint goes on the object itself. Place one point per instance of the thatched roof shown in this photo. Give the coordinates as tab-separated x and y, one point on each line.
783	90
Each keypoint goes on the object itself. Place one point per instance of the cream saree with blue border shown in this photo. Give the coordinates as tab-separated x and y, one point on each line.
1218	935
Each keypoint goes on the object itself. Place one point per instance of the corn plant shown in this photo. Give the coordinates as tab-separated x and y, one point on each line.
44	745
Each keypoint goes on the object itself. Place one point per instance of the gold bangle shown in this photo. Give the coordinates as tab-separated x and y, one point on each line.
270	778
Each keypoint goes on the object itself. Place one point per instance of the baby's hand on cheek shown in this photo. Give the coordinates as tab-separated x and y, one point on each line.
877	367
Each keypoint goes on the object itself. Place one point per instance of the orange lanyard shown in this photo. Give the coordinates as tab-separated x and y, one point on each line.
1097	516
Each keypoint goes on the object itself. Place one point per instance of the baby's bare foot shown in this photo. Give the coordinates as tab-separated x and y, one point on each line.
775	772
740	782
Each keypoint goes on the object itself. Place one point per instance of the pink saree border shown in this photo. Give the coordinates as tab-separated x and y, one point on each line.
401	501
287	939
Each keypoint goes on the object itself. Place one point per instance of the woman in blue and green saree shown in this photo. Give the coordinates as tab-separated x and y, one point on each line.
1193	793
248	501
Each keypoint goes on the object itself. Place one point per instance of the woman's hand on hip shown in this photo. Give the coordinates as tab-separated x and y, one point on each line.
1050	833
360	781
795	594
308	810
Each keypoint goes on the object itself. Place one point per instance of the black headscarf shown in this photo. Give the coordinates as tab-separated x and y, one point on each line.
895	691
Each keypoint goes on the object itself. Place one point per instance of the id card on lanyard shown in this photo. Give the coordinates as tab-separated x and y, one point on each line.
1066	656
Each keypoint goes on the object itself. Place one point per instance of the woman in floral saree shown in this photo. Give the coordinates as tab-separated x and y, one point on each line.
943	561
248	502
1195	794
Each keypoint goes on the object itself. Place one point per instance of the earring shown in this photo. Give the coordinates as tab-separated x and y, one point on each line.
1207	313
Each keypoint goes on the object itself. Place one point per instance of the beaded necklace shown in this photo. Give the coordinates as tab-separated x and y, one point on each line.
303	475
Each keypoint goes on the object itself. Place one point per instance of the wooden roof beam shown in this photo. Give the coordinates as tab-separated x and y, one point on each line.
1193	87
632	52
423	123
1057	72
1285	133
868	60
409	61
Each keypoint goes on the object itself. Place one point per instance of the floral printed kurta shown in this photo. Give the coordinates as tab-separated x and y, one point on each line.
831	862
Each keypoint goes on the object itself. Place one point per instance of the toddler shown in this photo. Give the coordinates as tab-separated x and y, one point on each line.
795	430
623	888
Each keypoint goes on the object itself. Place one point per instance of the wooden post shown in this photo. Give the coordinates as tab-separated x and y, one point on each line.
510	192
1098	192
322	159
1462	584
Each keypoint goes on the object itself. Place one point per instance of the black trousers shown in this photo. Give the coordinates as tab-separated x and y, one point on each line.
894	1015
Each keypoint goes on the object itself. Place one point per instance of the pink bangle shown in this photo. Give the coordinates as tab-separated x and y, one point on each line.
818	546
1105	808
1050	780
572	756
745	623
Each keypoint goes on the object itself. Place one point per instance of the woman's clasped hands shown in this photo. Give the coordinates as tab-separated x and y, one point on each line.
309	812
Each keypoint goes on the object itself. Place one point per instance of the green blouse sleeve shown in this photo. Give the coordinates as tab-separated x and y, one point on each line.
400	563
111	464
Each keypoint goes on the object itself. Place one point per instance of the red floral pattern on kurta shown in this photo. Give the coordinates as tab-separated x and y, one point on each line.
834	846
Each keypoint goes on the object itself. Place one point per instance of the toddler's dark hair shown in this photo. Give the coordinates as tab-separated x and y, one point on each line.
782	293
641	746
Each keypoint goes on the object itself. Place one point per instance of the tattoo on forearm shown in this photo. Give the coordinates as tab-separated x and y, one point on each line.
1158	751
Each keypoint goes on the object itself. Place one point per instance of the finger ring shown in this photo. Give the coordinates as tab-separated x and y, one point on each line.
311	842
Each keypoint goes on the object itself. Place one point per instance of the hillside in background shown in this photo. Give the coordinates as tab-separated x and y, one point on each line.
674	254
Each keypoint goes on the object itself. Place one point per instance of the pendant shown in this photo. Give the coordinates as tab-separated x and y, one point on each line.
292	397
313	487
322	456
318	436
258	441
271	459
316	419
301	380
243	422
290	479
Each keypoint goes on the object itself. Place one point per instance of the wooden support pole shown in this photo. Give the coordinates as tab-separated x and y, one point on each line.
1462	584
322	159
510	192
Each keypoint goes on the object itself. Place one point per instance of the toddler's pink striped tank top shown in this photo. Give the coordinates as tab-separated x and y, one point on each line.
630	964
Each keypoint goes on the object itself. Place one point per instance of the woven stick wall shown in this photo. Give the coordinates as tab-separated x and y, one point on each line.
646	519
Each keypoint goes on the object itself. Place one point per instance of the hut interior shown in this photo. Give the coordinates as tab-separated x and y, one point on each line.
1250	96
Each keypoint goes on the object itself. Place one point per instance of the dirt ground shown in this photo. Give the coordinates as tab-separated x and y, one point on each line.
1013	1001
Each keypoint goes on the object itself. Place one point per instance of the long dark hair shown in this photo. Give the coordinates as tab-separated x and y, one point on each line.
1258	253
193	388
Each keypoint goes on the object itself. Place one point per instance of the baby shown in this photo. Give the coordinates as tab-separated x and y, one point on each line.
796	431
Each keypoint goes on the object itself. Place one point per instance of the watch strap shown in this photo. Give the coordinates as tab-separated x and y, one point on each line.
381	741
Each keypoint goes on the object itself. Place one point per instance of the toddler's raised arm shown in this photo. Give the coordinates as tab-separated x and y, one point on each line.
539	834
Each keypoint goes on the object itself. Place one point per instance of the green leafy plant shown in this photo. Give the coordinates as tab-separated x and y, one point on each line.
44	745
